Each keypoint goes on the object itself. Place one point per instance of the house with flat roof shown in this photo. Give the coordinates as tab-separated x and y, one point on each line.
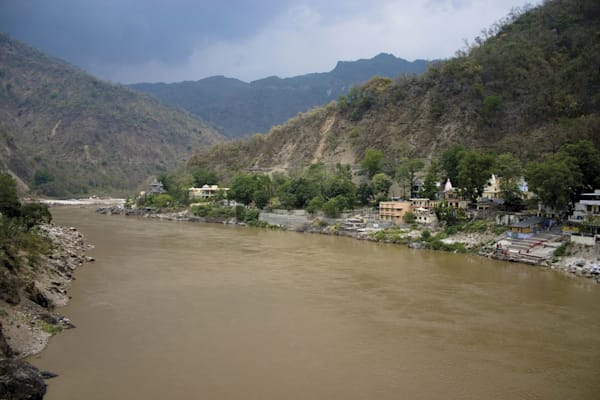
587	208
394	210
526	228
206	192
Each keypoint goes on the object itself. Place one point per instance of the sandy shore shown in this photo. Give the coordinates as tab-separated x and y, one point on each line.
90	201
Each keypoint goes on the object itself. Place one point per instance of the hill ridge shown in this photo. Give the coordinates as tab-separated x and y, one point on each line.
242	108
531	86
65	132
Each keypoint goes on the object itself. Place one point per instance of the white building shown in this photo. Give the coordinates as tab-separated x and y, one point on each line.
206	192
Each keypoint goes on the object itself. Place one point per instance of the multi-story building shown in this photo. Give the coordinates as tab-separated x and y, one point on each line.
394	210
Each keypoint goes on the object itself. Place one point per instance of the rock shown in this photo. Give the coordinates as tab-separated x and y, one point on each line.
9	288
50	318
89	259
5	350
35	295
20	381
48	375
416	245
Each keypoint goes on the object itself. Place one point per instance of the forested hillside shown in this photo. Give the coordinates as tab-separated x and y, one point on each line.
242	108
63	132
530	84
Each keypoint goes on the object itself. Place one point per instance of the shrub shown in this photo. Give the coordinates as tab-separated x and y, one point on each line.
562	250
33	214
251	215
332	208
425	235
240	212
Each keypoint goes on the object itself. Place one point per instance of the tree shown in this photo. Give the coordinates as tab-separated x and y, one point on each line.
449	215
176	184
248	188
33	214
406	173
430	187
553	180
9	200
340	186
372	162
161	200
364	193
296	193
510	170
508	167
450	160
204	176
381	184
332	207
474	170
587	158
315	205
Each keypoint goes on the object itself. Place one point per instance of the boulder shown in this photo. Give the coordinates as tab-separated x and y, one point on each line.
20	381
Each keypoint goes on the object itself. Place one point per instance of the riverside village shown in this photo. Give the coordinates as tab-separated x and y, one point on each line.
446	221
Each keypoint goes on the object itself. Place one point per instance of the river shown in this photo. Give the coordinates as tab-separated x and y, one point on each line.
199	311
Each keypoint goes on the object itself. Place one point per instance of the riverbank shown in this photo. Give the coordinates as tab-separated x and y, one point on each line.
28	310
578	260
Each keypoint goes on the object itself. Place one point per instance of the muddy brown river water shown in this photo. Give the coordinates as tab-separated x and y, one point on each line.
199	311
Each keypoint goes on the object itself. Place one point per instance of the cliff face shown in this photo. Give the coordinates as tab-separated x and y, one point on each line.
531	85
28	316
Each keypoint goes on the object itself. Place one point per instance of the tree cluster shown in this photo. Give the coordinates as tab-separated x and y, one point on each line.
20	241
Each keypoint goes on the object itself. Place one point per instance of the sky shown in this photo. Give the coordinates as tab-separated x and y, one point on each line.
130	41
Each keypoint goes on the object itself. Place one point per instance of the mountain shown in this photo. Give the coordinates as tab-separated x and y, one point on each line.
531	85
64	132
241	108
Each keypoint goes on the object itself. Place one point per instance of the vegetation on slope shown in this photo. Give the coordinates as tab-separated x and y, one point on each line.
21	243
64	132
531	84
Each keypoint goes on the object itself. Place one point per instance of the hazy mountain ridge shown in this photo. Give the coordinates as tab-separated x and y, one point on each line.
531	86
244	108
65	132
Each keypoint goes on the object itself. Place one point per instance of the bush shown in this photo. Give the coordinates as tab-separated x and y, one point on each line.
332	208
214	211
409	217
240	212
562	250
33	214
451	229
314	205
251	215
162	200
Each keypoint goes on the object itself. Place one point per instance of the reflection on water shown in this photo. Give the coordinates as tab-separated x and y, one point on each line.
179	311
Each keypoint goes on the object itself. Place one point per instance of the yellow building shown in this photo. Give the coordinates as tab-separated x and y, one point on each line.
393	210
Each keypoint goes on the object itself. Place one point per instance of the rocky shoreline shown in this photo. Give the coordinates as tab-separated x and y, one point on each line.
581	261
28	316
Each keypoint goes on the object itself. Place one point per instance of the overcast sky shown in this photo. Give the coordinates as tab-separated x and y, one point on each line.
131	41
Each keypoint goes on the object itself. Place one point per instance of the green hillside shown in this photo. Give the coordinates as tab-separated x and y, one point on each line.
531	85
64	132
